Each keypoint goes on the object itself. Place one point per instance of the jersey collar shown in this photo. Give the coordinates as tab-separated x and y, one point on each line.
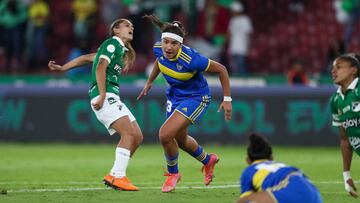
119	40
350	87
260	160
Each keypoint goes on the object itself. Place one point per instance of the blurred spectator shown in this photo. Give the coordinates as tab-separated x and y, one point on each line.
111	10
81	47
36	49
212	25
84	11
336	49
240	28
297	74
13	15
352	8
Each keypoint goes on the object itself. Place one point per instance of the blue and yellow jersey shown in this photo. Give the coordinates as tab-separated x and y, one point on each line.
264	174
184	73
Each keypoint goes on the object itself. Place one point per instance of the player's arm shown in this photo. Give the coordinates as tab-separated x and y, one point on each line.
74	63
153	75
215	67
101	82
346	152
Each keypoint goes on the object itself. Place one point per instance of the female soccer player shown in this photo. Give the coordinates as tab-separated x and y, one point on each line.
345	109
113	56
188	97
267	181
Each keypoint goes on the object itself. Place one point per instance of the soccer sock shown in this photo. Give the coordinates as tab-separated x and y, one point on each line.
201	155
122	157
172	163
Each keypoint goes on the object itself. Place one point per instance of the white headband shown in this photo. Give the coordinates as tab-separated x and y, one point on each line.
172	36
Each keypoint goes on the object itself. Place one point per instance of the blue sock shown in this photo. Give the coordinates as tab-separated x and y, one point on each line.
172	163
201	155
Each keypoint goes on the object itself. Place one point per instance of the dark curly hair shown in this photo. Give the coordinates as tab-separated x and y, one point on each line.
258	148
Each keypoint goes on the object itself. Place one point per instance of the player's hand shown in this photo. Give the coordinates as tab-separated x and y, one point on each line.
350	188
145	90
227	106
54	67
98	103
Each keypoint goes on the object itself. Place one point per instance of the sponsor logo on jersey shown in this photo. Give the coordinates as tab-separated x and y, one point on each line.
111	100
355	106
117	68
355	142
346	109
351	123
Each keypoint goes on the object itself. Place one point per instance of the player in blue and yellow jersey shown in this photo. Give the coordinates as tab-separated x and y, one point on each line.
267	181
188	97
114	56
345	109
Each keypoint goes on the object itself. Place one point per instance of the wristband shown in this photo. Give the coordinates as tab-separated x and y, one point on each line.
346	175
227	99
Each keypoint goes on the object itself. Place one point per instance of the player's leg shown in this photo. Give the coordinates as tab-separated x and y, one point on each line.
258	197
193	110
169	130
116	117
125	147
190	145
138	136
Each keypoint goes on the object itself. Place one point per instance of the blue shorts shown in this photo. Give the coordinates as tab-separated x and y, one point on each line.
192	108
295	188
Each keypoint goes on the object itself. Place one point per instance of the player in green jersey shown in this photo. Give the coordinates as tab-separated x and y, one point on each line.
345	109
114	56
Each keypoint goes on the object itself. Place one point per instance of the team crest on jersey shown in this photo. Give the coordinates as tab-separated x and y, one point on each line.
179	66
110	48
355	106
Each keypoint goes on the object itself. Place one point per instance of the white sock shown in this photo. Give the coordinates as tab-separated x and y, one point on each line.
122	157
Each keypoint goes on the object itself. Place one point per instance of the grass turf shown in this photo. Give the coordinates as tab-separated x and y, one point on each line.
74	172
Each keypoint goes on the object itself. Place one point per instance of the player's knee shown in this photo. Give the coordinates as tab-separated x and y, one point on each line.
139	137
164	135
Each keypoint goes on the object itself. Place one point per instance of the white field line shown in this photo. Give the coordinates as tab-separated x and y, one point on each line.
106	188
191	186
137	183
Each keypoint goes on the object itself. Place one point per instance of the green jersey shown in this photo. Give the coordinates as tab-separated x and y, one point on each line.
345	109
112	50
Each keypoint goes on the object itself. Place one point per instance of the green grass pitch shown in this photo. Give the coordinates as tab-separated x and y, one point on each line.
74	172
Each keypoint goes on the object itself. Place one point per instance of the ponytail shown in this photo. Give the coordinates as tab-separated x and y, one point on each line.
175	27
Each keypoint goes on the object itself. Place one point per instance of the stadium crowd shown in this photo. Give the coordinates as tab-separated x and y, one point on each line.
258	36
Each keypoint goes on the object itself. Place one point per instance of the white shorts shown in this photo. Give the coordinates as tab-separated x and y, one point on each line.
111	110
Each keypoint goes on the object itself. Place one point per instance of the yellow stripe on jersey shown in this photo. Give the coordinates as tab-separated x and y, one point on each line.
272	196
259	178
186	56
208	65
246	194
185	59
177	75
